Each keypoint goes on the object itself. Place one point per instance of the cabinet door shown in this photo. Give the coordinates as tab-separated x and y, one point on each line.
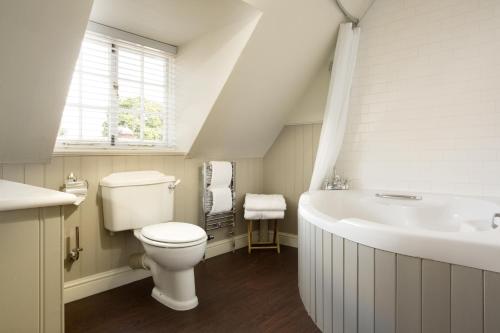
52	279
20	271
31	273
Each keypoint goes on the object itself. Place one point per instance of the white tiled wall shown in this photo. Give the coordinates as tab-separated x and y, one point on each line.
425	106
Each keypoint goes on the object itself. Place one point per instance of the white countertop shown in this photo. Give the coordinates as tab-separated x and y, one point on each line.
15	196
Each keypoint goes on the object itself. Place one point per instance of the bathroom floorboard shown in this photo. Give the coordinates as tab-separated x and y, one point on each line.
237	293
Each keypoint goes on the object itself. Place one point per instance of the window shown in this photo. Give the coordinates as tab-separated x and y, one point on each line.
122	93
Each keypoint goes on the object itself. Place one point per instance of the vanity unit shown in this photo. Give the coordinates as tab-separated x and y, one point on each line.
31	257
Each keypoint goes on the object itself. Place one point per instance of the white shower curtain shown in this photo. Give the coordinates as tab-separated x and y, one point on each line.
337	104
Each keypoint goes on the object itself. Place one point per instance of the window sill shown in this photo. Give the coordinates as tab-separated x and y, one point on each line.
78	150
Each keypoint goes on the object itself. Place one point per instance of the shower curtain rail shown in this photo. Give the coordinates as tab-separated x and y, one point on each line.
346	13
351	17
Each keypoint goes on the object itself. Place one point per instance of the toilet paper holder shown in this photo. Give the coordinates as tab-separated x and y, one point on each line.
78	187
74	254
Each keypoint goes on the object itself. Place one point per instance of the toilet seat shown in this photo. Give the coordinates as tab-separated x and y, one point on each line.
172	234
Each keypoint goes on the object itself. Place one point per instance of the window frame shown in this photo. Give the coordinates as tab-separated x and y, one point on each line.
117	36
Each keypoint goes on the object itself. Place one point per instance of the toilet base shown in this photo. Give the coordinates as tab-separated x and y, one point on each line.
173	304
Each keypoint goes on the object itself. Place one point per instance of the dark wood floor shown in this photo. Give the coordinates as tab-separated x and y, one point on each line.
237	293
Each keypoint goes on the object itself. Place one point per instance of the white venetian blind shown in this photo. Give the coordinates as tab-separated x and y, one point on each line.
121	93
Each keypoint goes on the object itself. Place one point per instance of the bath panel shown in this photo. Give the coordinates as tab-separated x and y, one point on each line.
350	287
409	294
327	282
385	292
366	289
319	277
466	299
337	283
436	282
491	302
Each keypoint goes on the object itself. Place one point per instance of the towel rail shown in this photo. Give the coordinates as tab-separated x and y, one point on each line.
219	220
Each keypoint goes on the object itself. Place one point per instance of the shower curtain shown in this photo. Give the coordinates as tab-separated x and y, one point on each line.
337	104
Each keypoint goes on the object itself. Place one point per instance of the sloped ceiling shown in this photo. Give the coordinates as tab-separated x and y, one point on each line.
239	76
293	39
40	43
261	56
311	106
174	22
357	8
292	42
202	67
210	35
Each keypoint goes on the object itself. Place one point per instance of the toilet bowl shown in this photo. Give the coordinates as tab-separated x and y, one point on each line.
172	250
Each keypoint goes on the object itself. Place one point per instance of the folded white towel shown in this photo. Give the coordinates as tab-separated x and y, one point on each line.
264	214
222	200
265	202
222	173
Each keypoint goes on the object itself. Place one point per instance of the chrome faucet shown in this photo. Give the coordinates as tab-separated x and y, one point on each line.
493	224
337	182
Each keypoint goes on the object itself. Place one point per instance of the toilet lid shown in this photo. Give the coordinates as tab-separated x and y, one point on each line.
174	232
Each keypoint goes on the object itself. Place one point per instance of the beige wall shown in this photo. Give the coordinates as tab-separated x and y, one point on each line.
103	252
311	107
288	167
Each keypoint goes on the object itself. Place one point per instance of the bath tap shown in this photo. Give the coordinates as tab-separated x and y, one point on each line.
337	183
493	224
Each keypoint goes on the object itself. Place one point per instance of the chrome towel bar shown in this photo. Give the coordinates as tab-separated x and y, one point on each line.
398	196
218	220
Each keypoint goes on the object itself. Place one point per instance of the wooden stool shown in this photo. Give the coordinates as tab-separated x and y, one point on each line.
275	244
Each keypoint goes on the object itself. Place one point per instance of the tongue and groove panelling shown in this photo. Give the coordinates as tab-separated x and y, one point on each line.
103	252
356	288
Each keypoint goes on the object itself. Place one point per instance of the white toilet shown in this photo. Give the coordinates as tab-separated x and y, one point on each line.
143	201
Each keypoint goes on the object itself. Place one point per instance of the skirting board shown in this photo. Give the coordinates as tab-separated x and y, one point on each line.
98	283
285	238
225	245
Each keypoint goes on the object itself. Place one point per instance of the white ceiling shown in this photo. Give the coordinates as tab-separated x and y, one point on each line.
292	42
174	22
202	68
293	39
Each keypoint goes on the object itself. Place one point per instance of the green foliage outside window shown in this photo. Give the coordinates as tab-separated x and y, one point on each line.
129	118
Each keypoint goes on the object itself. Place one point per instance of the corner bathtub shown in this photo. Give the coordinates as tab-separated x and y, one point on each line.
370	264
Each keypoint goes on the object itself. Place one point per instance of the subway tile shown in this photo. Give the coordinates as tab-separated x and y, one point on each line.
426	102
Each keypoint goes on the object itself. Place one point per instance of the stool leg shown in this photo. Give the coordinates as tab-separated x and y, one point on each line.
276	228
275	232
250	236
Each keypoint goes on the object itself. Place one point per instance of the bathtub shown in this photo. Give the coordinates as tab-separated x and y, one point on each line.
372	264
